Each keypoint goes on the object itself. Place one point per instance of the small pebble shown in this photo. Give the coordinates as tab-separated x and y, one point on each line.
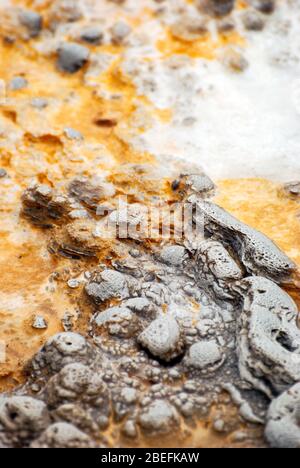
119	32
293	188
235	61
72	57
73	134
3	173
18	83
92	35
67	322
73	283
39	322
129	429
253	21
265	6
39	103
32	21
35	388
239	436
219	425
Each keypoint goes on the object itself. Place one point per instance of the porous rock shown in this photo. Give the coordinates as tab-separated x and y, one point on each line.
163	338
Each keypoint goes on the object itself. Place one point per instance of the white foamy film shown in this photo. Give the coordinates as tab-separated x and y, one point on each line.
296	94
2	352
159	221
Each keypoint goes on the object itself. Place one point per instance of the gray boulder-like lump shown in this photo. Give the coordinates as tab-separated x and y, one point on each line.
71	57
74	382
162	338
63	435
283	420
268	337
205	354
32	21
159	417
108	284
21	418
60	350
118	321
174	255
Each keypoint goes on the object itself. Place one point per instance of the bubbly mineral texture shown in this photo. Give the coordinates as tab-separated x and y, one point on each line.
258	254
63	435
107	285
21	418
205	354
268	337
163	338
283	420
60	350
159	417
119	321
169	326
217	268
174	255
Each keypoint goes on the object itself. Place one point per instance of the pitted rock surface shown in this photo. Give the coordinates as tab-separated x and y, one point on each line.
283	420
268	337
163	339
119	321
107	285
258	253
170	328
63	435
169	338
159	417
205	354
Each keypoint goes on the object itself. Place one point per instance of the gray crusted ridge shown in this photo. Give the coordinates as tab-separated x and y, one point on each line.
257	252
217	268
167	332
268	337
283	420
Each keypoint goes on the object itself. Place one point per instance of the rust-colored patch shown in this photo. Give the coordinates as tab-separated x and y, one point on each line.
205	47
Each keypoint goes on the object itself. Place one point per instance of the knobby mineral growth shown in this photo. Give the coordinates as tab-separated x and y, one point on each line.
172	329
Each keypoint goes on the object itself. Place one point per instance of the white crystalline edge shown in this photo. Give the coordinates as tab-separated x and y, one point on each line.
248	124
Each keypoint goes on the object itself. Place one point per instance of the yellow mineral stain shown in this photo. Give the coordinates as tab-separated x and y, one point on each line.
100	117
241	4
23	294
206	47
43	153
